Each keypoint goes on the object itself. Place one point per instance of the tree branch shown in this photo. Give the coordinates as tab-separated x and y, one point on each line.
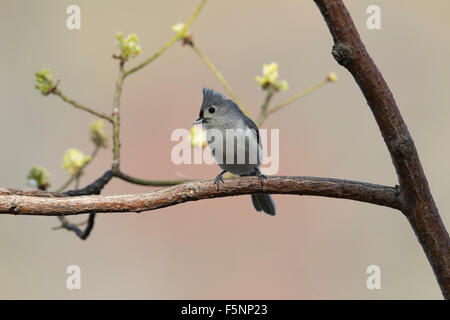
93	188
48	204
416	201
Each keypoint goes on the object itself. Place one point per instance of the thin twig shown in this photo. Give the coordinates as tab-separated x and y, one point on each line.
79	224
263	114
66	184
218	75
74	227
169	43
80	106
77	181
143	182
298	96
116	118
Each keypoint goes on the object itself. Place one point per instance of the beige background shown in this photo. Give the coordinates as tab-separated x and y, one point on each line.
315	248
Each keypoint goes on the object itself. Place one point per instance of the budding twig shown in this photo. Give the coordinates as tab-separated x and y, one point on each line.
298	96
218	75
80	106
263	114
79	171
169	43
116	118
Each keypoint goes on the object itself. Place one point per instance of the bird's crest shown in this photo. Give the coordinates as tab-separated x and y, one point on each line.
211	98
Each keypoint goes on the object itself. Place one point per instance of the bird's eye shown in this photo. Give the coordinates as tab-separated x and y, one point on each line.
211	110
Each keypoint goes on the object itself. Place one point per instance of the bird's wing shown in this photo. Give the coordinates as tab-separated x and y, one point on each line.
249	123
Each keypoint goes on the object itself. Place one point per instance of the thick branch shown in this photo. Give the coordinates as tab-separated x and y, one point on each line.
93	188
416	200
45	204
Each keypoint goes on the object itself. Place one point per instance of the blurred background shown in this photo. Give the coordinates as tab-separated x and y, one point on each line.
315	248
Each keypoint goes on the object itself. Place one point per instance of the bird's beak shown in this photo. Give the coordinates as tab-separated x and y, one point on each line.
198	121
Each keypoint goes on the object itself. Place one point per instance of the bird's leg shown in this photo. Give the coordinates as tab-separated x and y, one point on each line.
219	178
260	176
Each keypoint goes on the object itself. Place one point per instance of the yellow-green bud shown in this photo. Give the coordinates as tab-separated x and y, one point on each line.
97	133
38	177
129	46
45	81
74	160
179	28
332	77
198	137
270	78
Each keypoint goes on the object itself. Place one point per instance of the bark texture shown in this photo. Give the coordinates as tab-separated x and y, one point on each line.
416	201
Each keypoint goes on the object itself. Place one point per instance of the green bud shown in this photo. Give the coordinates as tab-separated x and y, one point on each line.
74	160
38	177
45	81
97	133
129	46
270	78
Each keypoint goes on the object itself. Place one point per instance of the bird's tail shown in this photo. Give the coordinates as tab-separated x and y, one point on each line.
264	202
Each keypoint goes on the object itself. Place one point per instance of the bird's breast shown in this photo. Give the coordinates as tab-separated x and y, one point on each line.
235	150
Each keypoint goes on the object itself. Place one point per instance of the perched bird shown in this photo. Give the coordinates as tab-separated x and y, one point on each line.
234	142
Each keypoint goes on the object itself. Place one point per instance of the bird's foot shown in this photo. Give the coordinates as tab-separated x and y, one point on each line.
260	176
219	179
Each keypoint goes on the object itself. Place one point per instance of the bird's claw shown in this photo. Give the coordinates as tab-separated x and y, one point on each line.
261	177
218	180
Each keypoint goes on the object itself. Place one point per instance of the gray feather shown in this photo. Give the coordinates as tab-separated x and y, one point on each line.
211	98
263	202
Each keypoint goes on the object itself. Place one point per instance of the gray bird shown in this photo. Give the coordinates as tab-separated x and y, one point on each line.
225	122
